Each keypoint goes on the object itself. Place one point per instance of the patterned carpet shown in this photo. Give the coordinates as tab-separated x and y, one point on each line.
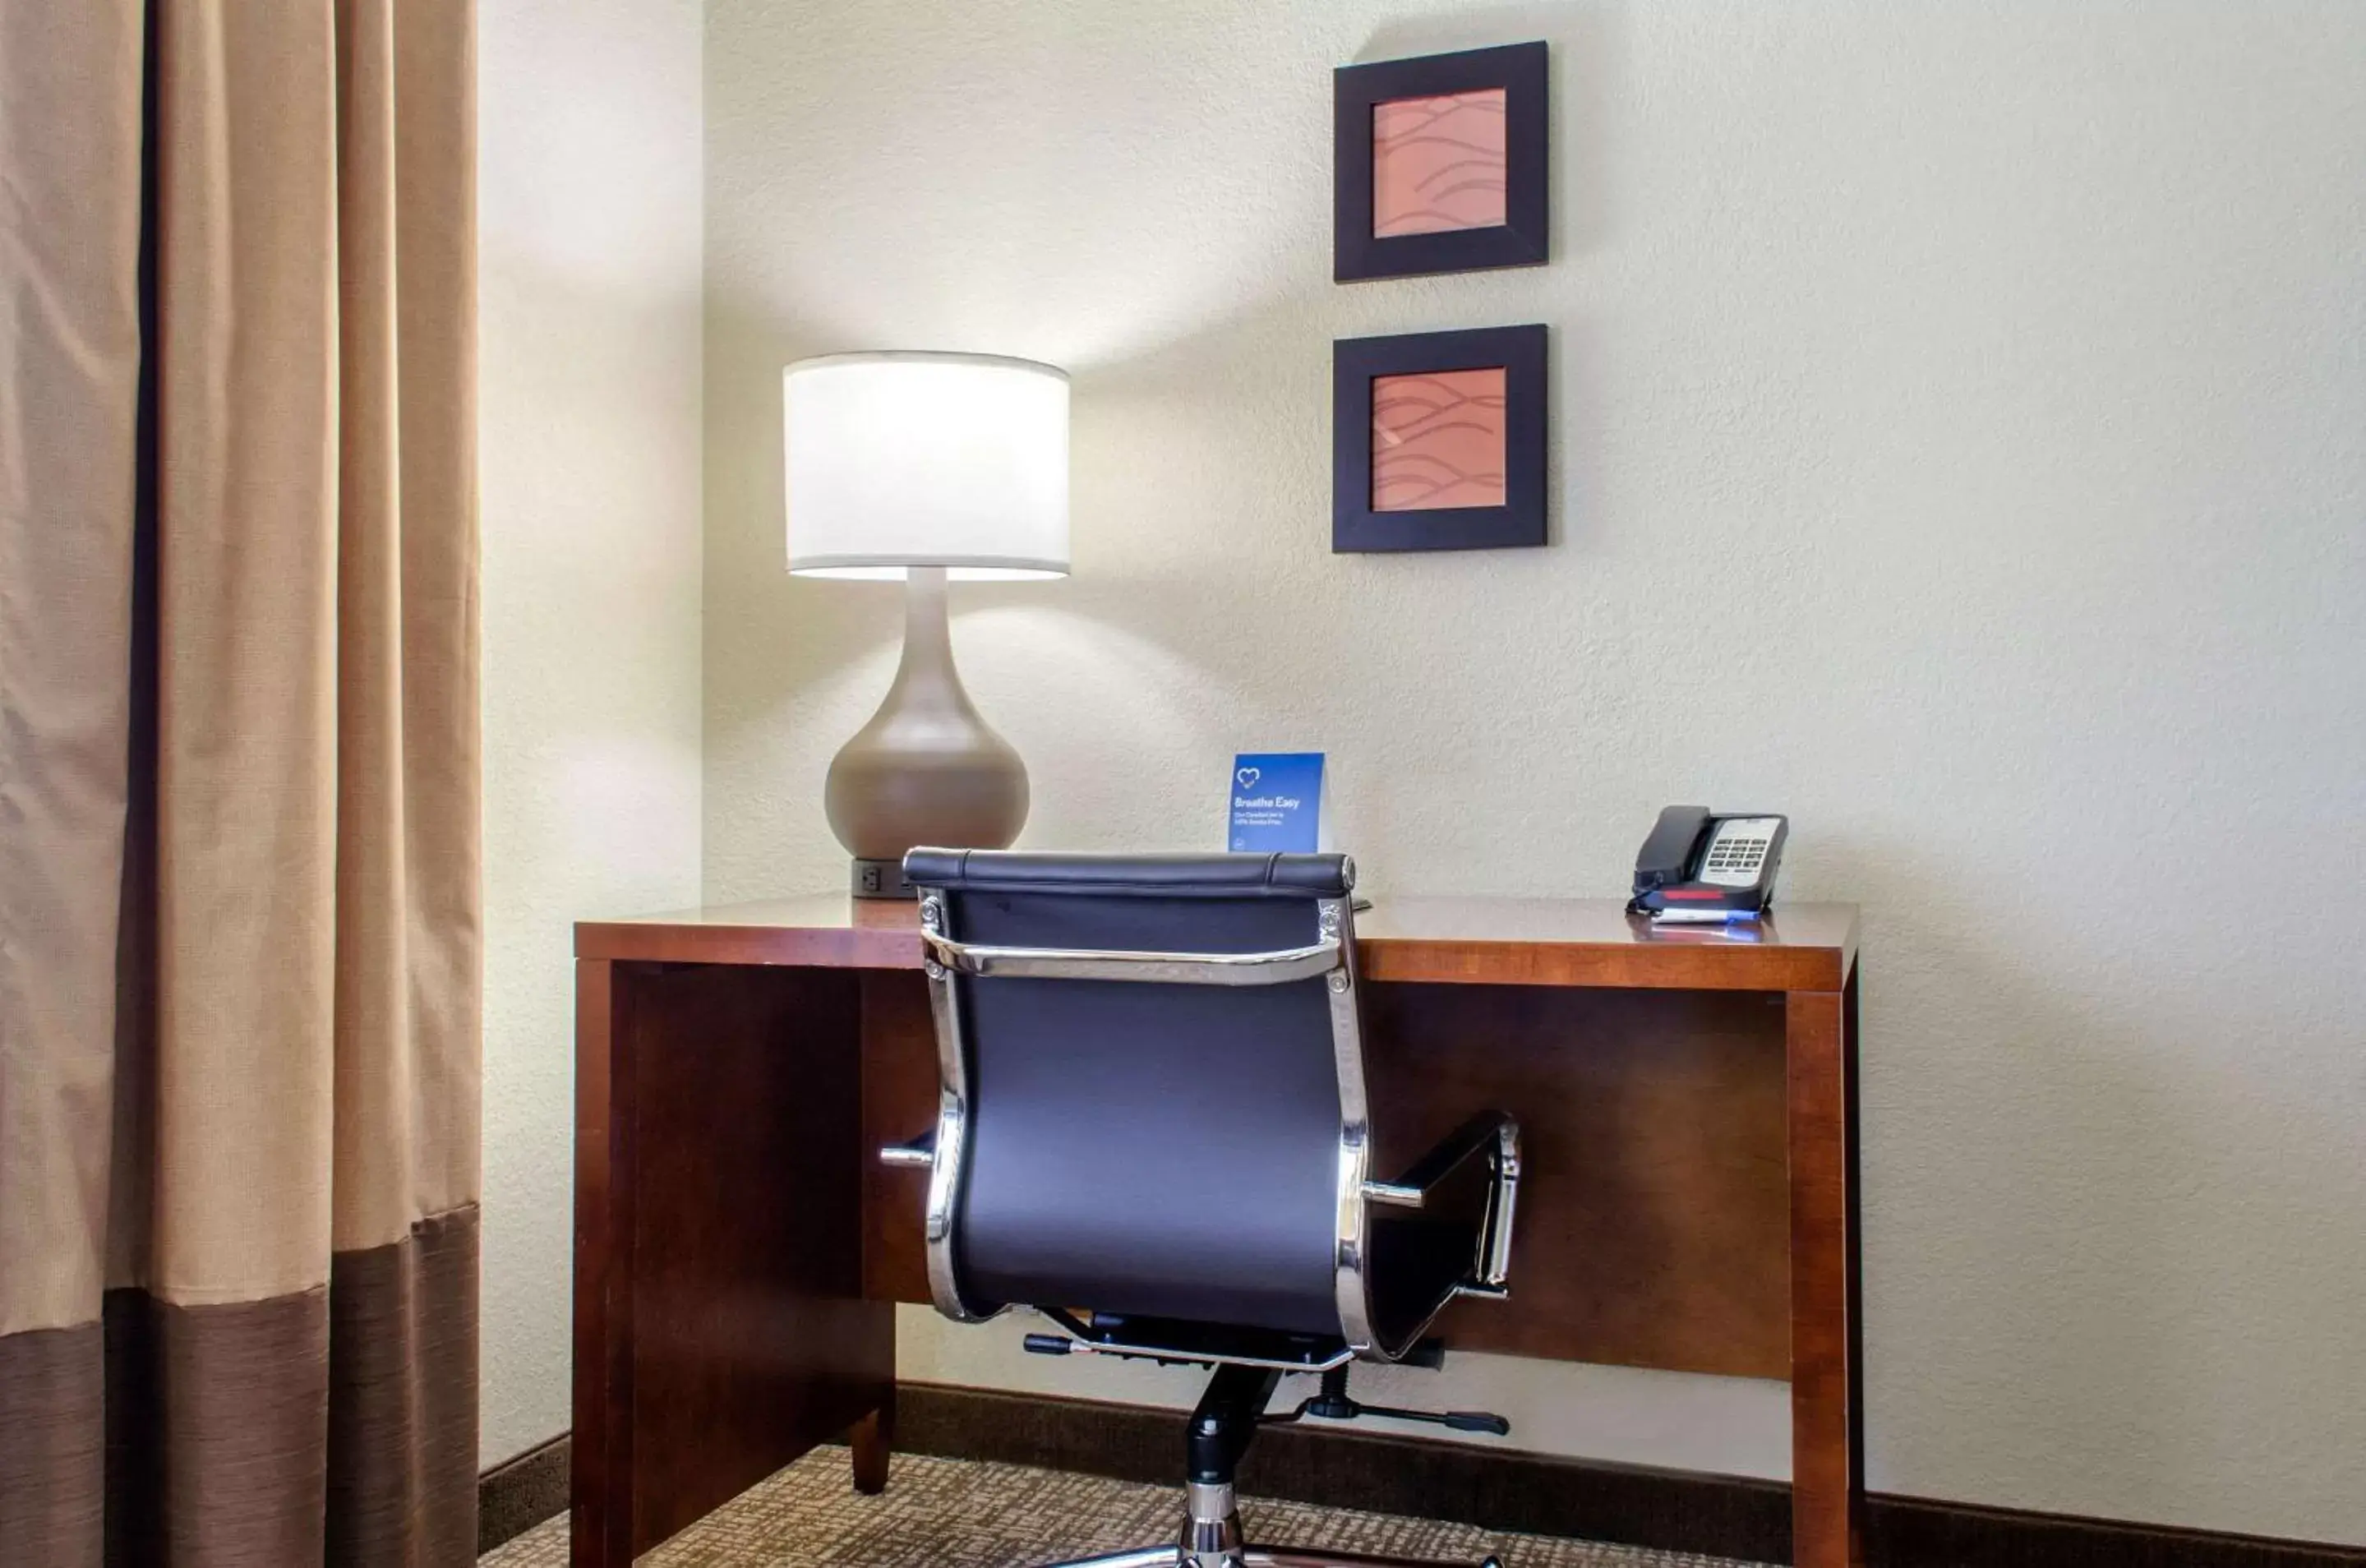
940	1513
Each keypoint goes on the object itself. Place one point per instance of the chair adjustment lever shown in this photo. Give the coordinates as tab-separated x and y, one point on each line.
1472	1421
1458	1420
919	1155
1061	1345
1334	1402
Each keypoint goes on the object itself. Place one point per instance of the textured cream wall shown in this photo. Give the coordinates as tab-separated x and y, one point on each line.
589	255
1960	444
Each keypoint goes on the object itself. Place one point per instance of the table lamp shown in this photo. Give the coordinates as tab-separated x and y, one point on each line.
925	467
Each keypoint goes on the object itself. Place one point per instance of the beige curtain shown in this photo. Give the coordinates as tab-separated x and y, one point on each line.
239	865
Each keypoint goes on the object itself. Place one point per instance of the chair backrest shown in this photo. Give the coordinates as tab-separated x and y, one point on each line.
1186	1141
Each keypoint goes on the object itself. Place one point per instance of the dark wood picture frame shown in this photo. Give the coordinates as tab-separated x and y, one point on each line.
1356	524
1523	238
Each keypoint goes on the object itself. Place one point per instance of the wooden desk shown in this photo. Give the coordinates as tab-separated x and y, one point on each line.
1688	1193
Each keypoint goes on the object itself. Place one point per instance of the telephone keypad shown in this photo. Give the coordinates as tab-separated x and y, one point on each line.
1738	855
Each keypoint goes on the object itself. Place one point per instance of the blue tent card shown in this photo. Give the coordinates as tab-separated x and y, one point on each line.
1277	803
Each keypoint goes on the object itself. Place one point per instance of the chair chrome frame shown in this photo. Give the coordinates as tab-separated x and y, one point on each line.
1332	958
1210	1535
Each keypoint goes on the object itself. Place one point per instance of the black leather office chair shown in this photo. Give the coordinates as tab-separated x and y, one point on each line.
1153	1130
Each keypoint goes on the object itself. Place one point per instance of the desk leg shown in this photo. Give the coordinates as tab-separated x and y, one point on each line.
599	1494
1827	1359
720	1329
873	1442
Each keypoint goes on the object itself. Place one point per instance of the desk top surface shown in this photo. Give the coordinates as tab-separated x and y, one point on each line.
1512	941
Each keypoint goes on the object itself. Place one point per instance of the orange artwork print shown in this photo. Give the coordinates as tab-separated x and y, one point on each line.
1438	164
1437	440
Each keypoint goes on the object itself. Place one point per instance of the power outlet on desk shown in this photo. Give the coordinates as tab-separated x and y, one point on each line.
880	879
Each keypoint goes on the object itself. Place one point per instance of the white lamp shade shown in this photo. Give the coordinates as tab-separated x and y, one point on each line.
903	459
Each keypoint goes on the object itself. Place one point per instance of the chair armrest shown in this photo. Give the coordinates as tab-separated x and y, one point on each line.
1495	1136
1489	1129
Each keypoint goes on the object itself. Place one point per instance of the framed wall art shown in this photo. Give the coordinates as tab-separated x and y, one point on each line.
1437	441
1438	163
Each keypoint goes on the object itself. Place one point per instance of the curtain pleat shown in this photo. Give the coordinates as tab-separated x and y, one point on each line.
69	357
239	1060
70	362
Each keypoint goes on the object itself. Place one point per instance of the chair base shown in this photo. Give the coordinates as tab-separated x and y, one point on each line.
1228	1417
1262	1557
1211	1539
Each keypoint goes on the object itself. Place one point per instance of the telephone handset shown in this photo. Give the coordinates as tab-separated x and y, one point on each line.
1697	866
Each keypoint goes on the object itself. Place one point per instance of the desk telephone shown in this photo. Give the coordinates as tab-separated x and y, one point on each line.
1697	867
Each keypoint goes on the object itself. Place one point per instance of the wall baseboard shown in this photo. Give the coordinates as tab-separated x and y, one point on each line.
519	1494
1671	1510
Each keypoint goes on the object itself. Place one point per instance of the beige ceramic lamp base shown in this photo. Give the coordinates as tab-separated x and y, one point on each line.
926	770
